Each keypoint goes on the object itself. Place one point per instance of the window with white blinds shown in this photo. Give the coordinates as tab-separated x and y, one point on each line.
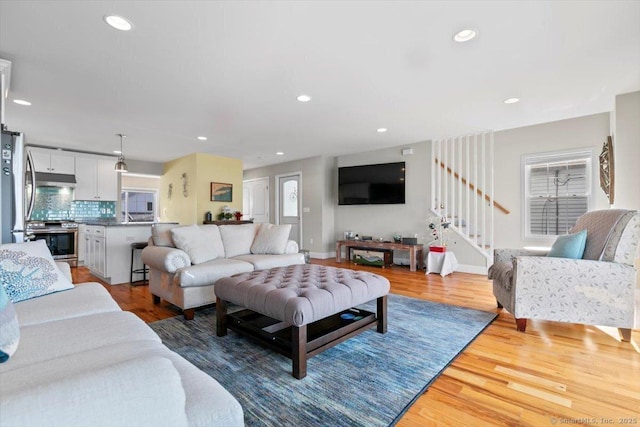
557	191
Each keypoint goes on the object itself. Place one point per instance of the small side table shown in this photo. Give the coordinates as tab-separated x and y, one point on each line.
443	263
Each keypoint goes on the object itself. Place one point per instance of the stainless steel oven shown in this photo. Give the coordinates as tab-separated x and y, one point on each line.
61	238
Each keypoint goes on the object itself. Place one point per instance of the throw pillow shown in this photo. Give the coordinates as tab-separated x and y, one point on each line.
27	270
271	239
196	242
569	246
237	239
9	328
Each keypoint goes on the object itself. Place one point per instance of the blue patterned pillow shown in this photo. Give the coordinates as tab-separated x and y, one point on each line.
27	270
569	245
9	328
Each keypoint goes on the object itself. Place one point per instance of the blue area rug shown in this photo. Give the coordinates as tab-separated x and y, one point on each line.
368	380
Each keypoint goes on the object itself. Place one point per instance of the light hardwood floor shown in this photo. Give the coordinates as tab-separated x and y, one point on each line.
554	374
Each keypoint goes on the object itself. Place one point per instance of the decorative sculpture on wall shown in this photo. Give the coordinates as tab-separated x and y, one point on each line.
185	192
607	171
170	191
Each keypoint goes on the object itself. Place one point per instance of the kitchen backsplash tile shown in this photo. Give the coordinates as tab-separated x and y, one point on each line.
86	209
53	203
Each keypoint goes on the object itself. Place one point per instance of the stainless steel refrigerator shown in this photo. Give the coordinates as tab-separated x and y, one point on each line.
17	192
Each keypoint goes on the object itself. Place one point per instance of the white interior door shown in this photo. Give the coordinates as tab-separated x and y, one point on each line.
289	204
255	199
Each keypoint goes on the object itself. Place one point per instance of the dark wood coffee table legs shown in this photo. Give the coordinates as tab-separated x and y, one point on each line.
303	342
221	317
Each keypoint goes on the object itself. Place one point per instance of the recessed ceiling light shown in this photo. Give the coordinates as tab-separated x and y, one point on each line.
202	138
279	153
381	130
465	35
118	22
511	100
117	151
304	98
21	102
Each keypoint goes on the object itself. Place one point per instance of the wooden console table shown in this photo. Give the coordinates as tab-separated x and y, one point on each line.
415	251
228	222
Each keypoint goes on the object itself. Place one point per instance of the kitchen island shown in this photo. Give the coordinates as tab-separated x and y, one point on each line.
105	248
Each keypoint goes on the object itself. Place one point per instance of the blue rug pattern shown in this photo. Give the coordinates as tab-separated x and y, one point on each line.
368	380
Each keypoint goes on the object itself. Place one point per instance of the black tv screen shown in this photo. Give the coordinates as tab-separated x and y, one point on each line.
381	184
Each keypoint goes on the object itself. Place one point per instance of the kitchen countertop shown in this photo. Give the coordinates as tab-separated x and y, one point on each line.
121	224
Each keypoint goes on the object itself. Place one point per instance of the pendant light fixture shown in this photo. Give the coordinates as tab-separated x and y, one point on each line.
121	166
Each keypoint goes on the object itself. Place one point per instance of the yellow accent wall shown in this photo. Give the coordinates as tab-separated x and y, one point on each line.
185	187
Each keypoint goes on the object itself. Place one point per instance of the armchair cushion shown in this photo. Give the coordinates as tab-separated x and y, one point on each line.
569	245
600	225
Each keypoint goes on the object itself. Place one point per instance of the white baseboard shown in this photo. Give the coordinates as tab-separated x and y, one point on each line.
473	269
322	255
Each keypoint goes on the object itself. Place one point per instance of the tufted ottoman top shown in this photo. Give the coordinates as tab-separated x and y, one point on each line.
301	294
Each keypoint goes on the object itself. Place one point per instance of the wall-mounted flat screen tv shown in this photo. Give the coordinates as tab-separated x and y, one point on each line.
381	184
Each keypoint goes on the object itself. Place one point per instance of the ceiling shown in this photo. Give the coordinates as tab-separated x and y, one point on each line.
231	71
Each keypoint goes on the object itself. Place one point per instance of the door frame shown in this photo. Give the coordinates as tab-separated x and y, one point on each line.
277	200
248	181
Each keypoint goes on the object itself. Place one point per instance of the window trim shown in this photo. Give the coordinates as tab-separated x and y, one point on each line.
552	157
156	195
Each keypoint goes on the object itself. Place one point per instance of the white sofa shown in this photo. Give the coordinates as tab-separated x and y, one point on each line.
81	361
185	262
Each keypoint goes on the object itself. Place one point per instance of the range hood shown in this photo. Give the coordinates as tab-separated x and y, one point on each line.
44	179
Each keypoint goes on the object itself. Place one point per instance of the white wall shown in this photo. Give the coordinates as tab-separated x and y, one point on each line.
626	151
317	223
588	132
386	220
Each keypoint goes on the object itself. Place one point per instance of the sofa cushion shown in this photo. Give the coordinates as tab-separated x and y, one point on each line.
82	300
210	272
263	262
196	242
569	245
237	239
213	232
161	234
28	271
207	402
51	340
104	397
9	329
271	239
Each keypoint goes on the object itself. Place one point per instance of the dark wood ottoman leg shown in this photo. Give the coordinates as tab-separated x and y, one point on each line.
299	351
382	314
189	313
156	299
221	317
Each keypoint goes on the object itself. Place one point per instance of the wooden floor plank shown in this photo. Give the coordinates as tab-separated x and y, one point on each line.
555	372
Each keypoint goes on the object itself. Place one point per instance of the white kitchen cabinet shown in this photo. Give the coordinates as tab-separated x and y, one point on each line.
95	249
107	250
53	161
97	178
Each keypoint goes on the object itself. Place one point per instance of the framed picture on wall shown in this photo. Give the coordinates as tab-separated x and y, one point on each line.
221	192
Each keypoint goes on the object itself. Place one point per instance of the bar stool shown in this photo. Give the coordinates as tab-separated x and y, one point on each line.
144	270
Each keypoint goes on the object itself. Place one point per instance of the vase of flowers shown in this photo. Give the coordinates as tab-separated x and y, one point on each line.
438	227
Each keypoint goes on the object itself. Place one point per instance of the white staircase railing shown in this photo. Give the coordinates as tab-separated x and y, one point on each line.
462	188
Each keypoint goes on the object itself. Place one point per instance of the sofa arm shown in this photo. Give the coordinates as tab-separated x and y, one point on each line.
508	255
292	247
574	290
141	392
165	258
65	269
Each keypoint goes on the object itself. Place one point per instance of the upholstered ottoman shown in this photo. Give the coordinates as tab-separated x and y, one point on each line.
301	310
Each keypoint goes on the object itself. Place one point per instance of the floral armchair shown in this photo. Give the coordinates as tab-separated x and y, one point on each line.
595	290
